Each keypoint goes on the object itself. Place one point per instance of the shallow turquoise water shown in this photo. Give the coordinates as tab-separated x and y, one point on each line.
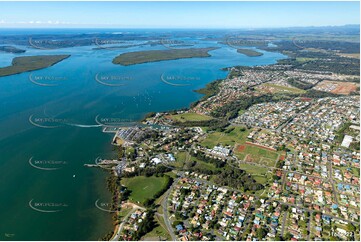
78	99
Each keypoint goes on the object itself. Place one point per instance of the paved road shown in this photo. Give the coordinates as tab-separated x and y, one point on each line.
309	227
164	205
285	215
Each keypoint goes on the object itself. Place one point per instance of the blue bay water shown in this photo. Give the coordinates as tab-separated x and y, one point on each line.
77	99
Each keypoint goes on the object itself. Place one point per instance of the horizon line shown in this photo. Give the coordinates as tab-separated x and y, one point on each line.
200	28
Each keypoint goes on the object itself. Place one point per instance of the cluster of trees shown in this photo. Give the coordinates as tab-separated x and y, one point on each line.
191	166
201	156
212	124
149	115
318	94
238	179
209	90
300	84
158	170
337	64
225	174
325	61
330	45
113	185
232	109
107	237
168	183
145	226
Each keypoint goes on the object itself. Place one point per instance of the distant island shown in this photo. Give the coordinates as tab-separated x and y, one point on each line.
249	53
139	57
31	63
11	49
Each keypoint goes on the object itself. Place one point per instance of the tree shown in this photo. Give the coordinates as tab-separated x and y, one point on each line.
261	233
284	207
278	238
288	236
351	227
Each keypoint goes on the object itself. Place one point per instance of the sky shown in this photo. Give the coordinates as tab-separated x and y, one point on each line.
177	14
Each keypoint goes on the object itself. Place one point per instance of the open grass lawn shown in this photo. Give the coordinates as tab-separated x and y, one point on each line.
261	179
204	165
253	169
303	60
260	174
142	187
256	154
190	117
280	88
158	231
123	212
268	162
180	159
231	138
355	55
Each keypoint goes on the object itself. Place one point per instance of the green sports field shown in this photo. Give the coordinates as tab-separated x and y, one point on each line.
142	187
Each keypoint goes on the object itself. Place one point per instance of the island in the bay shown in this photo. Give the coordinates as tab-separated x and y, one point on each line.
11	49
31	63
139	57
249	52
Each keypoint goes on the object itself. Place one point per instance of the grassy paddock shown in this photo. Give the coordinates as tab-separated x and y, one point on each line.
183	117
253	169
280	88
142	187
257	154
231	138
